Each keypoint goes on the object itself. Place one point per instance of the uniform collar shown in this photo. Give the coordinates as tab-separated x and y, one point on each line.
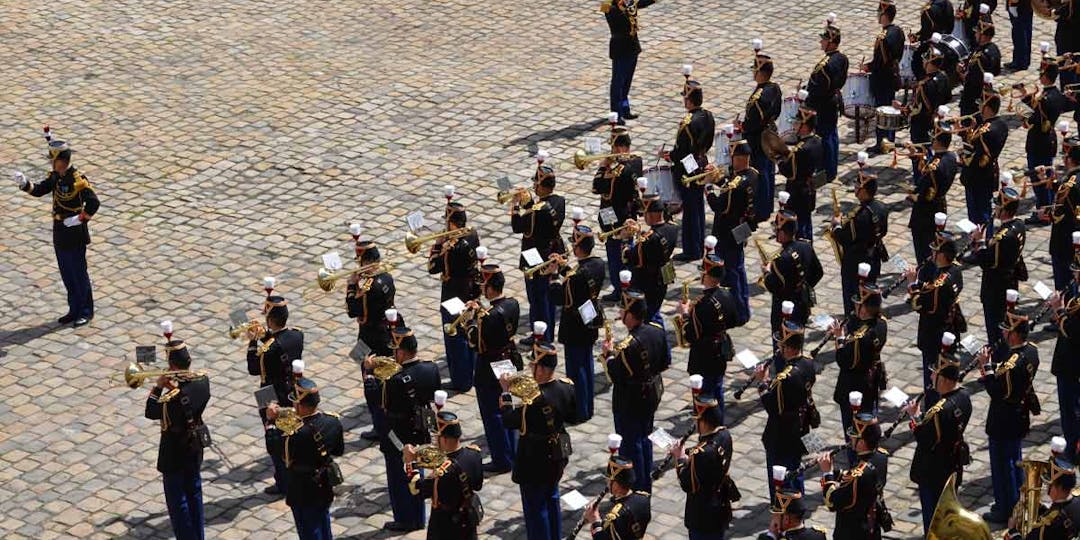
1018	347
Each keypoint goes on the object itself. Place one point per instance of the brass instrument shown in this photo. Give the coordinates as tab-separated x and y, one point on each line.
429	457
609	337
711	176
554	259
967	123
838	250
765	259
952	521
288	421
451	328
506	196
629	225
136	374
1026	511
237	331
413	242
384	367
328	279
1045	8
524	387
679	321
774	147
582	159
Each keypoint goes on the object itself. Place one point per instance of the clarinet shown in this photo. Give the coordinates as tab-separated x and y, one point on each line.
802	468
659	471
581	522
903	416
749	382
828	336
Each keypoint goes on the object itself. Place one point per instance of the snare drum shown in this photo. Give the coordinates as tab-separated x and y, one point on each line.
955	51
857	96
889	118
662	183
907	68
785	123
722	144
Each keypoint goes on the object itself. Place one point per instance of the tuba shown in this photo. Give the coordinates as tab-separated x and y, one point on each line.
1026	511
952	521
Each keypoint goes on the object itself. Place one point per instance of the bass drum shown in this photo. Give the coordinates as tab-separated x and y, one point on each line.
858	101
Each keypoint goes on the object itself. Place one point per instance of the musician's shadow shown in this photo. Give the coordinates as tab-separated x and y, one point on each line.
749	520
360	501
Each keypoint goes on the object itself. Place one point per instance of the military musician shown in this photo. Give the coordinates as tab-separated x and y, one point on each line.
1061	519
1001	259
539	221
616	183
693	138
798	165
762	110
704	473
971	13
884	67
859	237
1065	314
455	261
573	289
648	255
630	511
732	204
936	17
74	203
985	58
792	274
178	402
788	512
635	365
934	296
491	335
406	403
931	92
859	342
940	448
1064	215
544	448
705	326
1047	103
367	297
453	485
980	157
824	85
856	494
308	451
623	49
935	172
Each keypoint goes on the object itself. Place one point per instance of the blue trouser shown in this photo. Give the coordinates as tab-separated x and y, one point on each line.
80	294
540	306
789	460
460	359
883	96
735	277
1021	38
928	497
312	522
636	446
764	191
1068	390
1005	472
977	194
183	498
279	466
715	384
622	76
614	248
543	517
693	223
1062	271
830	144
408	509
993	315
804	225
1043	195
502	442
373	400
579	367
718	535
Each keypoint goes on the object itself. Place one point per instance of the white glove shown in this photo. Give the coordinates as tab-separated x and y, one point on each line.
73	221
20	179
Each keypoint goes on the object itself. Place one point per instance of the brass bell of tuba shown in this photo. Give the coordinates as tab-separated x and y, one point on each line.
1026	511
952	522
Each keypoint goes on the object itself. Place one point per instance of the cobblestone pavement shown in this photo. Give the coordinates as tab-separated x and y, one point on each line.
232	140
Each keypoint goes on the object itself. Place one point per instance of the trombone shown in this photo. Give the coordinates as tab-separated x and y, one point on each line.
328	279
413	242
451	328
582	159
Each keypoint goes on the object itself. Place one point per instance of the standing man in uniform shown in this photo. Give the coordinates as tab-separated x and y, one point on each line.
985	58
855	493
1008	382
270	356
732	204
703	473
1001	260
860	238
308	454
648	253
455	261
492	337
630	510
623	49
74	203
576	288
544	448
179	402
824	85
799	166
1020	18
539	222
693	138
635	365
788	512
1063	213
409	394
454	484
936	17
980	174
940	449
762	110
931	92
884	67
1065	314
792	274
858	353
616	183
934	296
935	174
367	298
970	15
705	324
1046	106
1061	520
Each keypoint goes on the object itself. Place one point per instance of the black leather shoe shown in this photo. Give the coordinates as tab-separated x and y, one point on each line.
495	469
66	319
611	297
81	321
370	435
874	150
272	490
995	517
630	116
394	526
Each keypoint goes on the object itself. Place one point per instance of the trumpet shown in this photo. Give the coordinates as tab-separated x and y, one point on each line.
679	321
451	328
328	279
413	242
711	176
582	160
630	225
136	374
506	196
253	326
967	122
555	258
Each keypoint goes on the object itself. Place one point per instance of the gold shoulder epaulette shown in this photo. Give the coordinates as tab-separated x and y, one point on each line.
332	413
883	451
566	380
821	529
473	447
655	324
81	182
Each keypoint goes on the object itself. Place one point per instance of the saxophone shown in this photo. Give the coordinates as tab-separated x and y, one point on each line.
1026	511
680	322
838	250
